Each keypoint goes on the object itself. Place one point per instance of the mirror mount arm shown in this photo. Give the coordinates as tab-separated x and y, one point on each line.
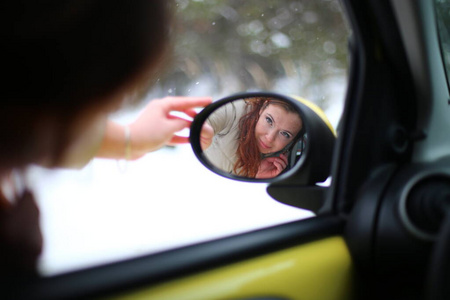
306	197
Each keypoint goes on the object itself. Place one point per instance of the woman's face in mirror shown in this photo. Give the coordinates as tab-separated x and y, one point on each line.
262	137
252	137
276	128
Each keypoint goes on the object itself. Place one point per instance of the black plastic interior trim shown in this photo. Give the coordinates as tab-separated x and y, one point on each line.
146	271
380	101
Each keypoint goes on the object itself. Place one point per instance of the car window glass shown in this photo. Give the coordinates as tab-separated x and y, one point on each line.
443	24
112	210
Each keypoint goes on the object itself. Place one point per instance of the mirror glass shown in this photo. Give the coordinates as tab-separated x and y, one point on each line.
253	137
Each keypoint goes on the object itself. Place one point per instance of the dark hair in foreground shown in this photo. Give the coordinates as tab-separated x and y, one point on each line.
62	58
249	157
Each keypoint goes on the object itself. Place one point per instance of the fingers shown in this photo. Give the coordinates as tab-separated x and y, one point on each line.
177	139
190	112
278	160
283	163
173	117
207	131
185	104
279	163
206	136
160	120
178	123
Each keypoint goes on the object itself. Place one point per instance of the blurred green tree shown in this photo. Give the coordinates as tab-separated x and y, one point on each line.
234	46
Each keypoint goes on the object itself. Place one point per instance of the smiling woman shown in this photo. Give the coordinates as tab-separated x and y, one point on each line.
252	137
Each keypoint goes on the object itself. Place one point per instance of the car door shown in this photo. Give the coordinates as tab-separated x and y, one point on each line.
308	259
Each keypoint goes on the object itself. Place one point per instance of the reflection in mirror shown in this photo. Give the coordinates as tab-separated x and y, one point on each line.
257	137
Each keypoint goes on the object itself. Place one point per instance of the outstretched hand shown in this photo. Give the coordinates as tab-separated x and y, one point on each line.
272	166
156	126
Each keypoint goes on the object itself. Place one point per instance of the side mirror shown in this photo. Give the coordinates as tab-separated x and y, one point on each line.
265	137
